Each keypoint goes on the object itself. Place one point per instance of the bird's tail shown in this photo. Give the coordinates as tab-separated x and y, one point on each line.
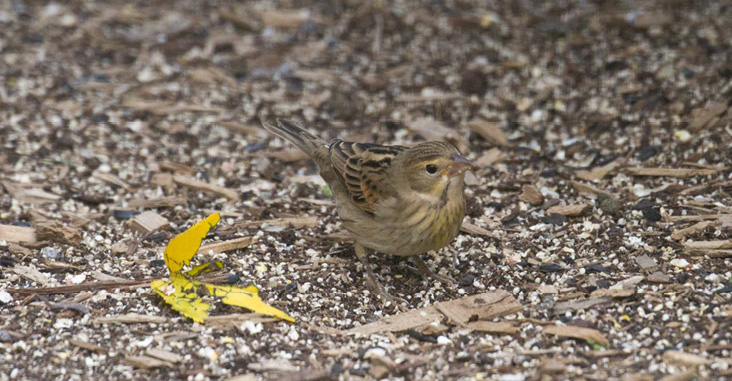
297	135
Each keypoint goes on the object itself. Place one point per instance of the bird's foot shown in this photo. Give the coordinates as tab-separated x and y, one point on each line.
376	285
425	270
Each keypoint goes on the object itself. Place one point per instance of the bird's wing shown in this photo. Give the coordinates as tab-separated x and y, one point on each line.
362	170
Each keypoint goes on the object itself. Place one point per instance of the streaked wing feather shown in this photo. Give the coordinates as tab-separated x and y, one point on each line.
361	169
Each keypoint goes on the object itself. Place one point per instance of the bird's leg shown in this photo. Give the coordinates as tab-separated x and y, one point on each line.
425	270
361	253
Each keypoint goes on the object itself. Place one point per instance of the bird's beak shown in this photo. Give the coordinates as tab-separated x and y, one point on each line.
459	165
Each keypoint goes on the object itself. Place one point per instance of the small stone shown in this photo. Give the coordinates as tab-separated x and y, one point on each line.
51	253
5	297
652	214
646	263
647	153
554	219
608	204
550	268
124	214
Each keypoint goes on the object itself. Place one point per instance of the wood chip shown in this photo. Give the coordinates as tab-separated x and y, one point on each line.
671	172
56	232
224	246
162	202
575	332
296	222
287	156
484	306
111	179
491	327
490	157
88	346
531	195
163	180
30	193
206	187
472	229
489	131
148	222
683	358
693	229
568	210
699	217
171	166
708	245
17	234
589	190
597	173
32	274
164	355
612	293
285	19
432	129
131	318
580	304
146	362
704	117
646	263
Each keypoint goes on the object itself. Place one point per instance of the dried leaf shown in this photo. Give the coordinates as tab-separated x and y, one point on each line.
181	294
181	291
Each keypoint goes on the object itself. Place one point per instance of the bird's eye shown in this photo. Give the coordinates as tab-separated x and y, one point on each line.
431	169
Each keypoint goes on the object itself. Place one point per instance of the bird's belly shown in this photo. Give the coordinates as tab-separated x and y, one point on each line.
419	232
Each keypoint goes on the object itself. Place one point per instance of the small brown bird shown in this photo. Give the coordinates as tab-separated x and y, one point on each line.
396	200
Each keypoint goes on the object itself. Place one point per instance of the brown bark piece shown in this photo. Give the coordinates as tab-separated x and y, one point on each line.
131	318
472	229
206	187
577	333
531	195
568	210
483	306
432	129
703	117
490	132
54	231
296	222
224	246
671	172
698	227
162	202
492	327
597	173
148	222
17	234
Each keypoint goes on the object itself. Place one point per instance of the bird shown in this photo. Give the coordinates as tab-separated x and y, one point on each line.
396	200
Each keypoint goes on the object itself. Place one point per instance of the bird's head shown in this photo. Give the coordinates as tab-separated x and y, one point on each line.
430	167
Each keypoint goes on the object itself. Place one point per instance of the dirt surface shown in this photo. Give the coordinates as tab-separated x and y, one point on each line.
602	204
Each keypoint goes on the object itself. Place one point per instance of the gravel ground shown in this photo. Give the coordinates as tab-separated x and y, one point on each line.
602	206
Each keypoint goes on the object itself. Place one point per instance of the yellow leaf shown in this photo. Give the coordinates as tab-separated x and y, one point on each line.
184	246
205	268
180	293
246	297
